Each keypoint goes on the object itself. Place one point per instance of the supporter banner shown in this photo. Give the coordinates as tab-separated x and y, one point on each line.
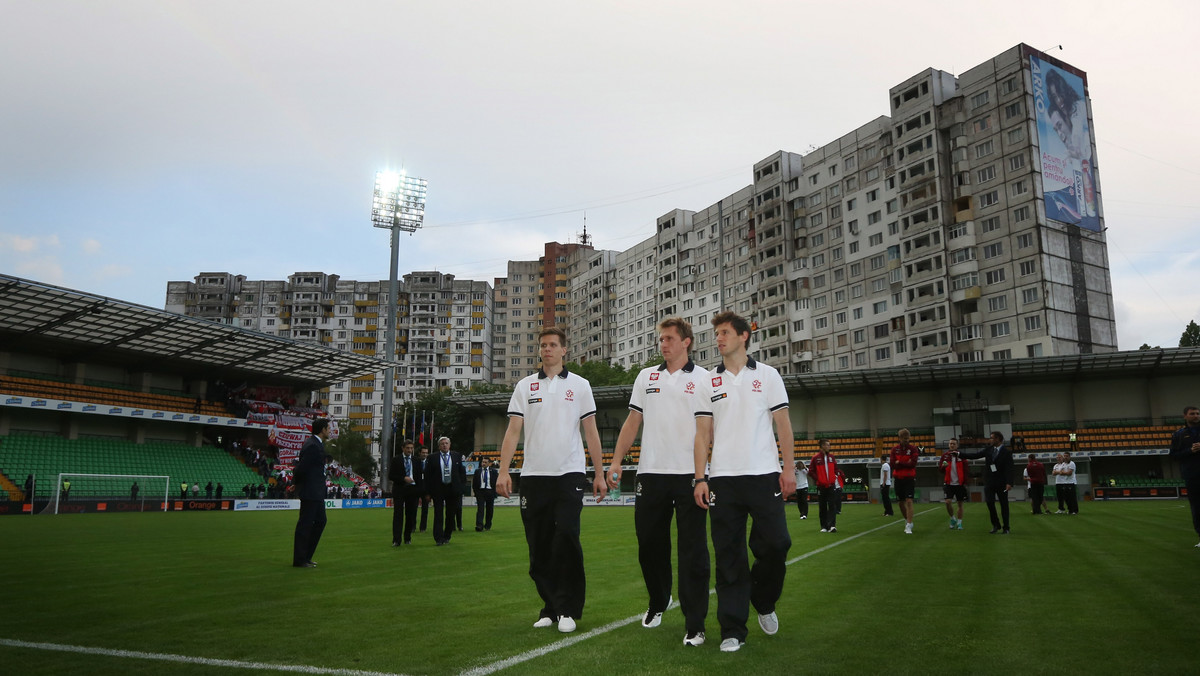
121	411
1110	493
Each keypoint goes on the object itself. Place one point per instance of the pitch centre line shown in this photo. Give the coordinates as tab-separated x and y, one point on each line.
186	659
567	642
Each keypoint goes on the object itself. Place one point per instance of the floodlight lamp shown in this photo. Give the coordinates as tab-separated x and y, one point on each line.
387	181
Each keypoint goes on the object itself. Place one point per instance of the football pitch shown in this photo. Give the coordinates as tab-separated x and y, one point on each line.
1112	590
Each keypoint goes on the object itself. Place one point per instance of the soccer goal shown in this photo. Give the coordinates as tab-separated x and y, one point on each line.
127	492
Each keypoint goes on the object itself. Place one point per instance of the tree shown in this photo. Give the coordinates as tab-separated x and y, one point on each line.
353	450
1146	346
1191	335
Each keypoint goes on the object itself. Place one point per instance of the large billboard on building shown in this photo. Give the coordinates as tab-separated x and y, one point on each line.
1068	172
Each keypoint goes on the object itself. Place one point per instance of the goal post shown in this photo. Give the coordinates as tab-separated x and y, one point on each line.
149	491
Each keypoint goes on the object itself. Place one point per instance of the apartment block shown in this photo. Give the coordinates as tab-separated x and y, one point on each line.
443	332
967	225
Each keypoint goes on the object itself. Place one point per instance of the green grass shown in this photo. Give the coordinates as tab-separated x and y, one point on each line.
1110	591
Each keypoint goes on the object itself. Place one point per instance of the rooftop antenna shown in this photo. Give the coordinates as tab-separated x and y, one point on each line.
584	238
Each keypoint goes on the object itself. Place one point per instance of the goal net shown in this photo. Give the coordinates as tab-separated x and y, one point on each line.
124	492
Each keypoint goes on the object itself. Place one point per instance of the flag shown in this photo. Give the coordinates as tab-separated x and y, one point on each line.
421	436
432	417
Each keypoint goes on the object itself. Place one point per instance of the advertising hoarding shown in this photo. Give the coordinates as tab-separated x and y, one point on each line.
1065	144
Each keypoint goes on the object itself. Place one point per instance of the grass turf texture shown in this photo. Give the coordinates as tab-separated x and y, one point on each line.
1104	591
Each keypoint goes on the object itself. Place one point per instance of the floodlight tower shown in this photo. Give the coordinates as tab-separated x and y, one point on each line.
398	204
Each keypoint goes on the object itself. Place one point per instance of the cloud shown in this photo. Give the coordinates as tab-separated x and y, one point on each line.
113	271
25	245
90	246
45	269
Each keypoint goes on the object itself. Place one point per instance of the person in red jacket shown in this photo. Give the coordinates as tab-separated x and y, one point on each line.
955	484
1035	473
824	470
903	460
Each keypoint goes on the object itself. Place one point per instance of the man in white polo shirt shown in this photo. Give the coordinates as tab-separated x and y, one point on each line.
663	400
551	405
736	410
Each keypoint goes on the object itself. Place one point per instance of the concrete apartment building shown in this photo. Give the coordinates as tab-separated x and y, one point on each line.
534	294
443	335
965	226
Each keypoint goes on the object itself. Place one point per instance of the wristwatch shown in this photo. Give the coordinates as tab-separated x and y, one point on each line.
696	482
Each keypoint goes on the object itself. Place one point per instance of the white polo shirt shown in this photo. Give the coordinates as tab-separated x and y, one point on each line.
1065	478
667	403
741	406
552	409
801	478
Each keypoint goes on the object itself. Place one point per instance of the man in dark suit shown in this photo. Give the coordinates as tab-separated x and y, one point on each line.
484	484
445	481
309	478
997	479
408	485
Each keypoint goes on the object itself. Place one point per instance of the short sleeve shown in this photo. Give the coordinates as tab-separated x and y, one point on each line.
637	399
702	406
775	392
587	403
516	405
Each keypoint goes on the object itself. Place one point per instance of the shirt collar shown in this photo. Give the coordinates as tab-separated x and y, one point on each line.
687	368
562	374
750	364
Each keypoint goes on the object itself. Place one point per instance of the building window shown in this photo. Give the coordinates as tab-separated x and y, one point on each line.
880	307
1033	323
1001	355
990	224
986	174
997	303
979	99
1020	214
1028	268
1030	295
989	199
1024	241
1012	110
994	276
883	353
993	250
984	149
1016	136
1018	188
999	329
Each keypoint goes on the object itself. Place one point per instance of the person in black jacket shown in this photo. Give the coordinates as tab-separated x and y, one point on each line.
997	478
445	481
309	477
408	485
1185	448
484	483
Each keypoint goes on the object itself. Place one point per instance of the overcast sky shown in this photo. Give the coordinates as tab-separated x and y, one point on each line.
145	142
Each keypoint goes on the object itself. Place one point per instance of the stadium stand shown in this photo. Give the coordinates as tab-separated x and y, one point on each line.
45	457
112	396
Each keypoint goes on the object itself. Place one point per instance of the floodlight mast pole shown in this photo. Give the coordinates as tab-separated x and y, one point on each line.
389	377
399	204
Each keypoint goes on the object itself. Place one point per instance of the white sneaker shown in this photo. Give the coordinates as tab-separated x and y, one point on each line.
803	517
543	622
731	645
952	523
694	639
1198	544
566	624
908	528
1060	512
769	623
824	530
833	529
651	619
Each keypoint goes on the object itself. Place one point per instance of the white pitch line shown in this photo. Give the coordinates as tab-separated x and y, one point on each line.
185	659
559	645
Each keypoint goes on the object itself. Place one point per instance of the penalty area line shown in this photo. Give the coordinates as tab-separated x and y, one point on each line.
567	642
186	659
